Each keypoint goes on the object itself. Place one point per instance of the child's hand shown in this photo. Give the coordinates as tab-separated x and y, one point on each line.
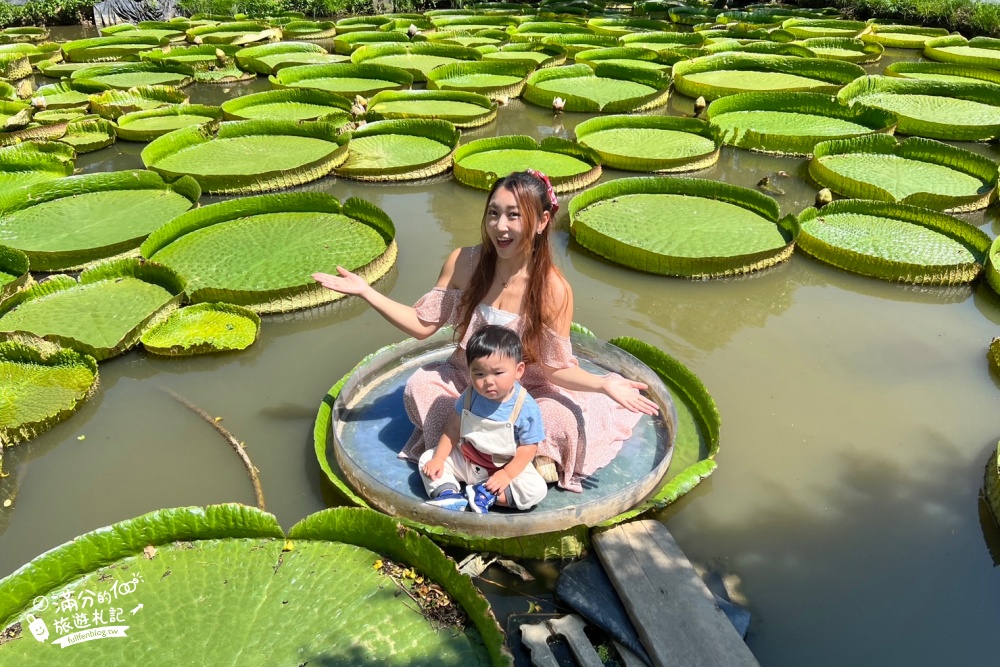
434	468
497	482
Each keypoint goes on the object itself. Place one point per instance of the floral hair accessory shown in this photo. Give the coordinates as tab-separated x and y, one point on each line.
548	188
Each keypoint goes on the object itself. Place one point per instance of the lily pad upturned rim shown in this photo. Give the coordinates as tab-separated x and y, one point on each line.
659	81
51	156
309	293
437	78
440	131
974	91
834	72
28	349
865	52
113	103
800	27
130	134
901	68
483	180
934	50
88	134
292	77
693	267
366	53
247	58
337	103
113	270
883	35
877	120
878	267
95	49
555	54
913	148
176	53
348	42
993	269
686	389
251	183
488	114
14	262
157	340
86	76
48	191
309	29
360	527
655	165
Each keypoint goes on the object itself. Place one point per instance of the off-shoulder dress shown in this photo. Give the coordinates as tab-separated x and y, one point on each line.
584	430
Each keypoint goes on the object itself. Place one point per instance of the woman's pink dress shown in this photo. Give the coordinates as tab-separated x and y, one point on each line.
584	430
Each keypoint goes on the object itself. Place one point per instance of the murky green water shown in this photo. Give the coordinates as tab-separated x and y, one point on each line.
857	418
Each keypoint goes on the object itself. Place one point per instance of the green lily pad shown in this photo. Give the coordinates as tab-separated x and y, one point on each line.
199	58
791	123
41	384
103	314
317	595
932	109
235	33
459	108
61	96
33	162
14	66
650	143
249	156
533	55
658	41
945	72
122	76
569	166
807	28
603	88
920	172
634	57
268	58
682	227
309	29
203	328
844	48
223	75
395	150
902	36
78	220
291	104
60	70
724	74
260	252
97	49
418	58
59	116
349	42
148	125
493	79
344	78
114	103
992	272
13	271
24	34
89	134
893	242
14	115
979	51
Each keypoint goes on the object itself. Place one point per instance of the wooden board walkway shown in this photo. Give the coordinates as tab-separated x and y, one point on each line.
670	606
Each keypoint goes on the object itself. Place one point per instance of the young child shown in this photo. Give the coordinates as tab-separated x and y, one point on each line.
492	437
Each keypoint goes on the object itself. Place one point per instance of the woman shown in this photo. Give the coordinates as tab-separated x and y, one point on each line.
511	280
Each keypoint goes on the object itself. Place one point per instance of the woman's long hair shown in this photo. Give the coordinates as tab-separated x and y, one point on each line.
532	199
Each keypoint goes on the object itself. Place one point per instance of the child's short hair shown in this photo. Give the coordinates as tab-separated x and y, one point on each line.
493	339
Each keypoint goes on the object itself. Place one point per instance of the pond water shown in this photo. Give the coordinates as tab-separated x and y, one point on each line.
857	419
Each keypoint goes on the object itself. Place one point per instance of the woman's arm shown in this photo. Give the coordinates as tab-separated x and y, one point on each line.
623	391
400	315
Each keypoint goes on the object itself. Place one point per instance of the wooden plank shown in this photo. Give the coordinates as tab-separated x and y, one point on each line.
670	606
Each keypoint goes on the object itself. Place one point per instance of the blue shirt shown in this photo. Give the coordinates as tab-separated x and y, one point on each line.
528	429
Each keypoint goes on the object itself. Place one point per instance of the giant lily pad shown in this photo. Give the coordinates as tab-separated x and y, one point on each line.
724	74
650	143
901	36
661	41
844	48
37	54
14	66
682	227
569	166
89	133
465	38
41	384
234	33
81	219
791	123
806	28
917	171
356	23
344	78
123	76
603	88
59	70
61	96
13	271
493	79
291	104
941	72
14	115
459	108
349	42
260	252
531	54
317	596
114	103
200	58
34	162
269	58
418	59
635	57
103	314
96	49
626	26
979	51
397	150
148	125
894	242
203	328
24	34
173	33
249	156
309	29
933	109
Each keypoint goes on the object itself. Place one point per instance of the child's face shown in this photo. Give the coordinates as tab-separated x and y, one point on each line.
494	376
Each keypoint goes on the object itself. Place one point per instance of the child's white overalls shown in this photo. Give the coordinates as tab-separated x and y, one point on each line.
496	440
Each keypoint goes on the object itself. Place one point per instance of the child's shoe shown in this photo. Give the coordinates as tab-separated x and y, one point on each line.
449	500
480	500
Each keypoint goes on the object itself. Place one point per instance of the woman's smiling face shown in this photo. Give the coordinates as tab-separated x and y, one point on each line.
505	223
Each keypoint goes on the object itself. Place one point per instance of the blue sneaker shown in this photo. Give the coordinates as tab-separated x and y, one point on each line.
449	500
480	500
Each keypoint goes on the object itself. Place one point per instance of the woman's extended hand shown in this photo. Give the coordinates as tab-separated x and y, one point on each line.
345	283
626	393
